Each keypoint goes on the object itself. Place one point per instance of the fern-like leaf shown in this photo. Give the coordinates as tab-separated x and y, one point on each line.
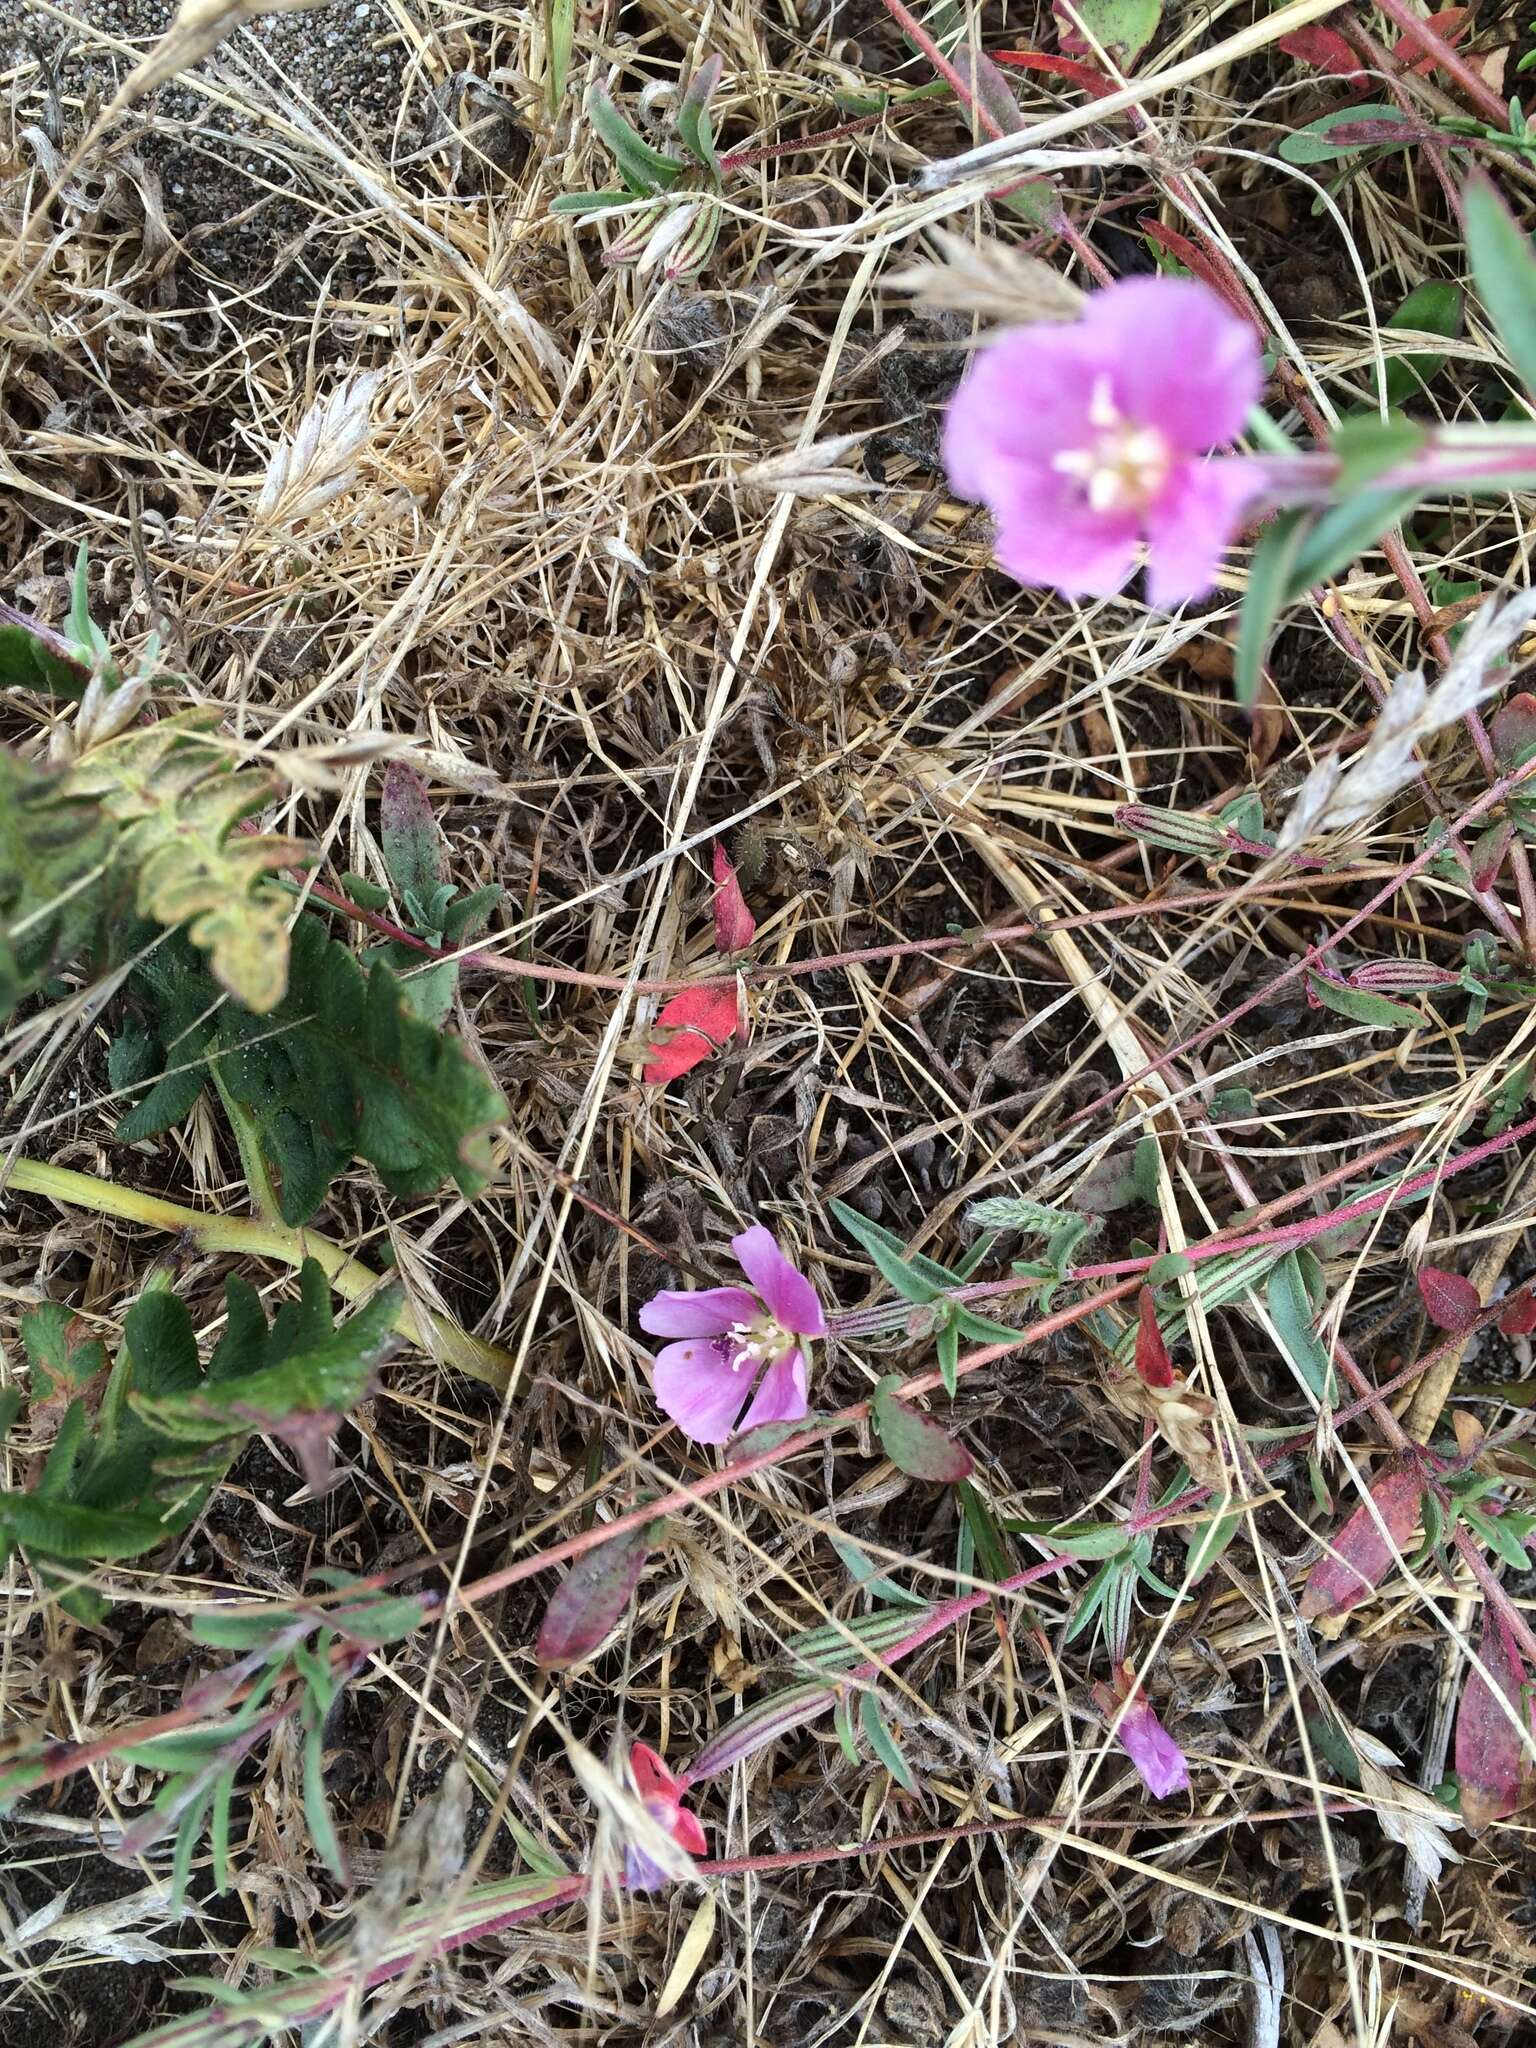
171	789
342	1068
53	843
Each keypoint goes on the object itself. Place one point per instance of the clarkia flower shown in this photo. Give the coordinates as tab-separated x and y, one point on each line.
1159	1761
661	1794
735	1339
1087	438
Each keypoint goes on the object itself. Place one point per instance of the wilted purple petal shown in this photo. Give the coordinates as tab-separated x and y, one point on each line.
697	1388
782	1395
705	1313
1157	1757
790	1297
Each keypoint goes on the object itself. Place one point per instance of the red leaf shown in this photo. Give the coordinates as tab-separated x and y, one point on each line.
1152	1360
1082	75
1519	1317
1449	25
735	926
1490	1755
1324	49
700	1021
1196	259
1450	1300
1360	1556
590	1599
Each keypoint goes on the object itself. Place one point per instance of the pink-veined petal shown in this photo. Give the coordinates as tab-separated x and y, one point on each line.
652	1778
782	1395
1194	523
696	1387
790	1297
1182	359
705	1313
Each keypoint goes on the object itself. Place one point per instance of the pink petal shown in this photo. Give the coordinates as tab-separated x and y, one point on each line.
1051	540
735	926
782	1395
1154	1752
1193	524
688	1833
696	1387
652	1778
707	1313
1181	359
790	1297
1025	398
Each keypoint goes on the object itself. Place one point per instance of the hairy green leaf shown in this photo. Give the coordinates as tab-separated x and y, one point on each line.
1504	270
915	1442
55	845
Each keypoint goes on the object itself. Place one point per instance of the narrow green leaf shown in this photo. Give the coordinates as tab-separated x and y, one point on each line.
317	1808
991	1550
1290	1308
642	168
946	1346
561	35
1332	542
693	122
1367	446
842	1722
883	1743
1207	1540
1363	1006
582	203
1504	271
1078	1539
1367	126
1433	308
887	1253
1269	580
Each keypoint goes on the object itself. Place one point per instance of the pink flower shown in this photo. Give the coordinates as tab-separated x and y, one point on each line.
1084	439
1157	1757
662	1796
735	1339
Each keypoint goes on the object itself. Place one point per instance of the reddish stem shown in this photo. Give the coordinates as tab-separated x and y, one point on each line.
1478	91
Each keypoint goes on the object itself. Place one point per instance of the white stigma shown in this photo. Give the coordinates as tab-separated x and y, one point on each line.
755	1342
1125	466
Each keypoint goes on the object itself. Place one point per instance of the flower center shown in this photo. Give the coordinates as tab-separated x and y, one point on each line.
1125	466
753	1344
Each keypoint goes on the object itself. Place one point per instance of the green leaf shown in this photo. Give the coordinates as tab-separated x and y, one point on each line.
1290	1308
1124	27
560	37
343	1067
317	1808
1077	1539
178	797
238	1628
842	1723
1367	446
914	1442
642	168
55	846
1269	581
1433	308
1504	271
1171	1266
1316	144
1147	1169
60	1362
1363	1006
883	1743
1501	1535
34	656
1207	1540
63	1530
991	1549
693	123
946	1345
1332	542
887	1253
583	203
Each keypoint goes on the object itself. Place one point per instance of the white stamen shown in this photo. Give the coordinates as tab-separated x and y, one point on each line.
1125	466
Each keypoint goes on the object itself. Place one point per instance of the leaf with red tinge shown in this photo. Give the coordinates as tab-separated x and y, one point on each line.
412	844
915	1442
1361	1555
735	926
589	1600
1197	261
1152	1360
1324	49
1450	1300
1513	730
1490	1755
1074	73
700	1021
1449	25
1519	1317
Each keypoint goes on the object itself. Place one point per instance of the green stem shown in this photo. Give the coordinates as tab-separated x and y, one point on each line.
351	1279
